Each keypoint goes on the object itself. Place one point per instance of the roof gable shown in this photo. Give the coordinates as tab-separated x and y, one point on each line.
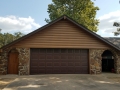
69	19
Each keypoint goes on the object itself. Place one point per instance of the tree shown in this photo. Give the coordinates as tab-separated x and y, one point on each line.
6	38
82	11
117	24
18	35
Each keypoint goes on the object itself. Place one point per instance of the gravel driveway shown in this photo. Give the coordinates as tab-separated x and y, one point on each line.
63	82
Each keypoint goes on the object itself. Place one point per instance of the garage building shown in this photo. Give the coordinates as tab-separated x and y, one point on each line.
60	47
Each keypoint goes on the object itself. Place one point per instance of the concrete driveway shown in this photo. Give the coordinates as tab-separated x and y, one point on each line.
62	82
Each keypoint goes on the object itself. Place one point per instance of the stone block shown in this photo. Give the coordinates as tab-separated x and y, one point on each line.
1	73
4	72
20	67
1	62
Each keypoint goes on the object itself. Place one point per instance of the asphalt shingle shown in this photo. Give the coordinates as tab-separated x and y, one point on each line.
114	40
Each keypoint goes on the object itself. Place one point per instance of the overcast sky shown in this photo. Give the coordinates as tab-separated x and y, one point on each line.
28	15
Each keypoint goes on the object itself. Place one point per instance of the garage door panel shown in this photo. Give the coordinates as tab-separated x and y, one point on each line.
57	64
64	51
64	70
42	71
41	67
49	64
35	52
70	68
49	56
64	57
57	51
76	51
49	71
64	63
78	64
57	57
72	60
49	67
42	64
35	56
56	71
70	57
34	64
77	57
34	61
58	61
34	71
42	56
84	68
84	56
42	51
70	51
78	70
34	67
50	50
71	64
84	63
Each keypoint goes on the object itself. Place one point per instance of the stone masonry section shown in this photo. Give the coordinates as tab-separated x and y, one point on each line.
24	58
3	62
96	57
95	60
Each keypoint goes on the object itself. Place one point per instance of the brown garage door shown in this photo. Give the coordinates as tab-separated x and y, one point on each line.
59	61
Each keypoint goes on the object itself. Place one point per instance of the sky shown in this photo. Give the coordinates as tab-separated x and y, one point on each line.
28	15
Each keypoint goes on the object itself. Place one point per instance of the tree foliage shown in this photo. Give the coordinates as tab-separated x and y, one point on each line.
6	38
116	33
82	11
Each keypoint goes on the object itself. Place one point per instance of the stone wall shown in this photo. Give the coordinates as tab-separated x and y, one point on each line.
95	61
95	56
117	61
4	61
24	58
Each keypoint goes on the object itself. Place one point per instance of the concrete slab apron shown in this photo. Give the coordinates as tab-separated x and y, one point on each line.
63	82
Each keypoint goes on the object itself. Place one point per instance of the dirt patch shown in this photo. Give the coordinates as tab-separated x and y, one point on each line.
116	79
4	82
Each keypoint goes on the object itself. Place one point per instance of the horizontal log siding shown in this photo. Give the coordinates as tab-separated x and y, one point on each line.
62	34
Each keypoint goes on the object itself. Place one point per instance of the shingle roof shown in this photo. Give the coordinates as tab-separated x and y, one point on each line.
114	40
